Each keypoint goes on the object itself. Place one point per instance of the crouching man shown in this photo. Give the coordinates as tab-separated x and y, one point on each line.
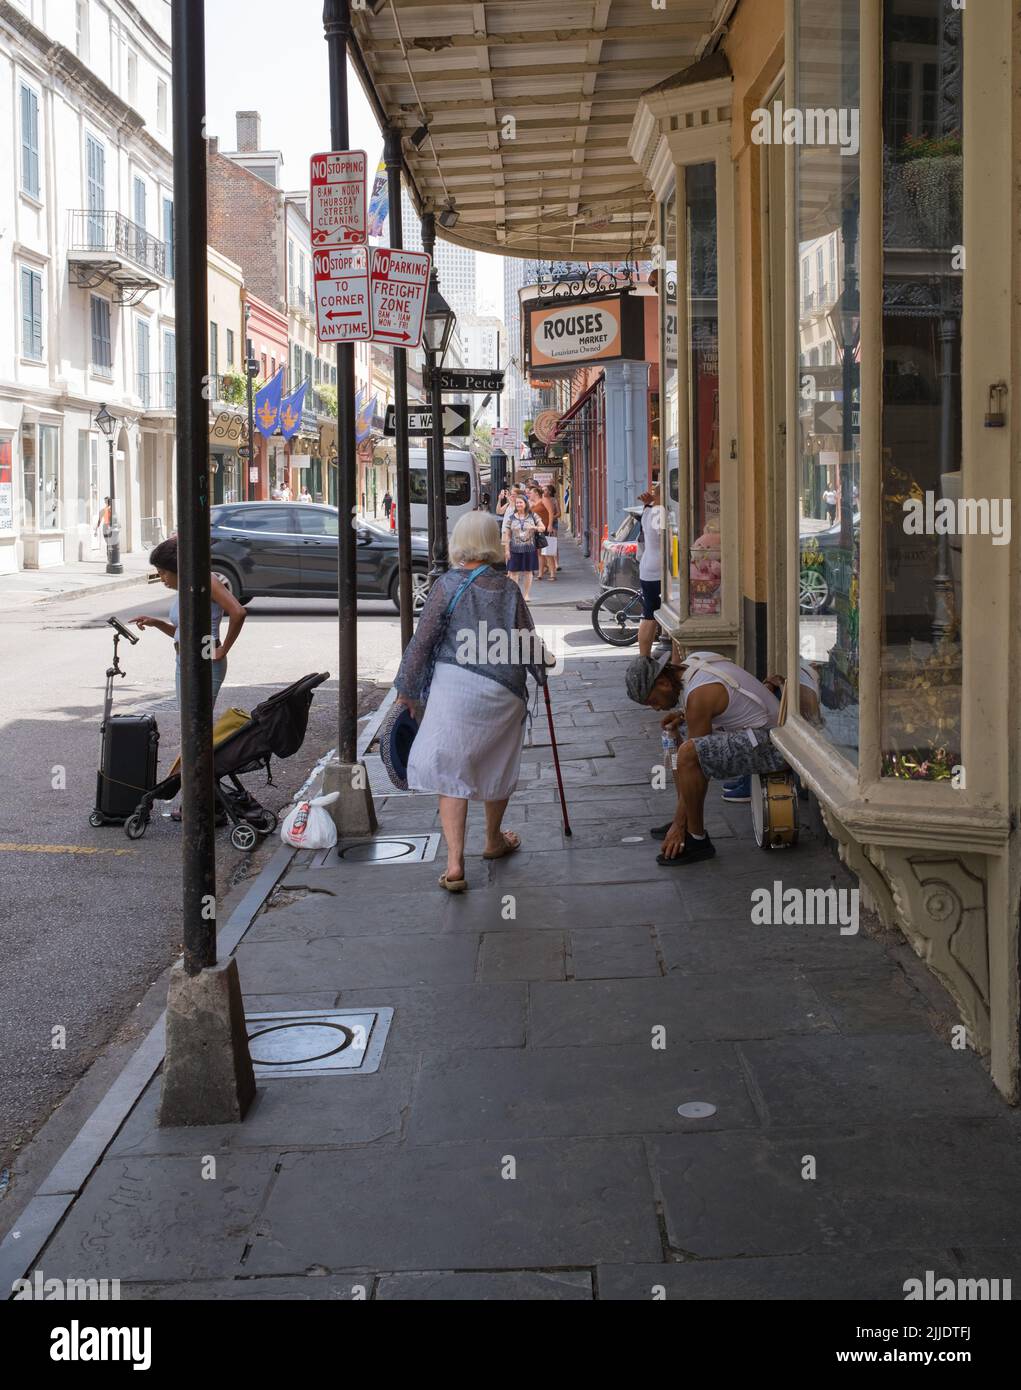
727	715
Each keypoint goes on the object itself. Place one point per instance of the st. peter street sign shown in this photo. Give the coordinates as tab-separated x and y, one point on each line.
482	381
456	421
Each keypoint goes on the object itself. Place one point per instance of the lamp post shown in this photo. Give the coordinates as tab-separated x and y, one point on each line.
105	423
251	367
439	328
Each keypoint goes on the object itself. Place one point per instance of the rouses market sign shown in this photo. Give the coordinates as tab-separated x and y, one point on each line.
567	334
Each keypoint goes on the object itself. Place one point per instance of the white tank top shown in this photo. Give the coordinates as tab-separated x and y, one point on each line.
749	705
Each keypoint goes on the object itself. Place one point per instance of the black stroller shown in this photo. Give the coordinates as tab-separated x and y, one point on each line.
241	744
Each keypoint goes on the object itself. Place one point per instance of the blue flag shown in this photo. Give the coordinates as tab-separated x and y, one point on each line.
365	408
290	411
267	405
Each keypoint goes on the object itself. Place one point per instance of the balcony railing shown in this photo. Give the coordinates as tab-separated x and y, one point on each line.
302	302
115	235
157	390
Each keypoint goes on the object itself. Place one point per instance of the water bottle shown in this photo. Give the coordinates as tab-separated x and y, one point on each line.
669	749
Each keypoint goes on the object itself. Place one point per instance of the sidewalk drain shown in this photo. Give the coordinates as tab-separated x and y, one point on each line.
329	1042
384	849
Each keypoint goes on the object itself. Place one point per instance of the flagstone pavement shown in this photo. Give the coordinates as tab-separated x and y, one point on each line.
522	1138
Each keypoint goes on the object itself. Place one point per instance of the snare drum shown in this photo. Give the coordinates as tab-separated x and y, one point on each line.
775	810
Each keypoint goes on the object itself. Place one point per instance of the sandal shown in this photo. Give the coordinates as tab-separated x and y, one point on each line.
509	846
453	885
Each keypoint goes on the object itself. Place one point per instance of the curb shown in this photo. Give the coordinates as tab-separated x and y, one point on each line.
63	1184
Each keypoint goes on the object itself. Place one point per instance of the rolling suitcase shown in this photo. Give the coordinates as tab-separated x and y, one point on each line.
127	759
127	766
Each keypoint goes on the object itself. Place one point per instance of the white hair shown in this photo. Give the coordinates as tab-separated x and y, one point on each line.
476	537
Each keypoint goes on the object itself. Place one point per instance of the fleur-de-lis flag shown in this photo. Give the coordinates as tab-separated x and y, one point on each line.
290	411
267	405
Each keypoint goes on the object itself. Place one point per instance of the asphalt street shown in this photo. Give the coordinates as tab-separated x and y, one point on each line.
88	919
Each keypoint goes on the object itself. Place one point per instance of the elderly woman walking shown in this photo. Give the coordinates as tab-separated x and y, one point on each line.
469	658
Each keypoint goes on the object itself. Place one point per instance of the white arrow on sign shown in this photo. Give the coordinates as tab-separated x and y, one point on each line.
452	419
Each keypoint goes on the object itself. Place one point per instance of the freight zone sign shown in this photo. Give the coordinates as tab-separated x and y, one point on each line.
338	198
342	294
399	287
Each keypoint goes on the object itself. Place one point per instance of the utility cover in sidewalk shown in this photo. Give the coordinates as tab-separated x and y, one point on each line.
317	1043
383	849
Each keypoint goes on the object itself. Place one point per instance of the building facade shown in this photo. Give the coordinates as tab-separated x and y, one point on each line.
86	292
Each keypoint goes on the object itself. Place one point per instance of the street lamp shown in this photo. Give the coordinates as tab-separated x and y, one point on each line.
105	423
438	331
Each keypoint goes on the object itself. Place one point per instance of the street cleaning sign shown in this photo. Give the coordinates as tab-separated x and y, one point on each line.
342	294
338	198
399	287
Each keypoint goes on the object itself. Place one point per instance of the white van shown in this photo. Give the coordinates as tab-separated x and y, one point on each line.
462	486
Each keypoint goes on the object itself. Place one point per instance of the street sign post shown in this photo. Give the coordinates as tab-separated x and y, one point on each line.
399	285
483	382
342	294
456	421
338	198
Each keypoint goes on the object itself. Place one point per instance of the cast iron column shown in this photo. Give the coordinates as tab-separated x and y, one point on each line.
428	230
337	27
437	470
394	163
198	860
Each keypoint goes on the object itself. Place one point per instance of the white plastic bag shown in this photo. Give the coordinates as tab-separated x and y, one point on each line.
309	826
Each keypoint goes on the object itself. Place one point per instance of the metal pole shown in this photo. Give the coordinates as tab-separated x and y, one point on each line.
394	162
113	548
337	28
428	222
437	472
198	860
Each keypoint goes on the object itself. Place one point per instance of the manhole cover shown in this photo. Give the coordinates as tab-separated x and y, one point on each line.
317	1043
696	1110
383	849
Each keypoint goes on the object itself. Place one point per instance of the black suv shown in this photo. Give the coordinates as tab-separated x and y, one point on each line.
289	550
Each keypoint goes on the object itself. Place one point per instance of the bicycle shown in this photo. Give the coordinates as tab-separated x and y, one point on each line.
616	615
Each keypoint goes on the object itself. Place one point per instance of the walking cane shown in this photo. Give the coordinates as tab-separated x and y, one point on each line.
556	755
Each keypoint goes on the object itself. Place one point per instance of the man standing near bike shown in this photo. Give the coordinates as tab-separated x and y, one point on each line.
650	568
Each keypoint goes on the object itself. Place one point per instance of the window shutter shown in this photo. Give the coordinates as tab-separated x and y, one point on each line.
29	141
26	312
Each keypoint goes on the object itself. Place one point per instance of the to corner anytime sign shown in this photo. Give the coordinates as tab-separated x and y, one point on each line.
399	282
338	198
342	294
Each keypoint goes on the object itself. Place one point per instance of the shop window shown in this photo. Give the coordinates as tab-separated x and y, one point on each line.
921	460
702	370
669	416
88	478
827	437
40	477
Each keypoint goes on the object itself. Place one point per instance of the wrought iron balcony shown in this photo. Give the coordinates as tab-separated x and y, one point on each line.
107	246
157	390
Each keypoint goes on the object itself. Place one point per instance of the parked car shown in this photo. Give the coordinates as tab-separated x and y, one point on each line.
618	558
289	550
820	553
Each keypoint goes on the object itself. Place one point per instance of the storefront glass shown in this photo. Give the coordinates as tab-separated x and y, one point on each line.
826	130
669	418
921	466
702	364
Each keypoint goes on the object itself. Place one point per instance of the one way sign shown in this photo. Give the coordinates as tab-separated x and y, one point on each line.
456	421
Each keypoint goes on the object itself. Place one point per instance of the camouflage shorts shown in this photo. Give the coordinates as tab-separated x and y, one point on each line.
732	755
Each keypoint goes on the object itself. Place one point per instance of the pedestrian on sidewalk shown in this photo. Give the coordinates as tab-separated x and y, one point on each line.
541	508
224	605
104	520
469	660
555	508
650	568
726	716
387	504
520	528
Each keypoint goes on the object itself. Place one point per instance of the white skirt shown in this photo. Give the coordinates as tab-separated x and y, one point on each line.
469	742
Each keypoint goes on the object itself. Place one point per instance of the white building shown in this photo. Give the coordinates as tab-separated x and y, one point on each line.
485	347
86	289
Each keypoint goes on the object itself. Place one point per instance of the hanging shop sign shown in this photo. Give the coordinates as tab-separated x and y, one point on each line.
546	425
338	198
567	335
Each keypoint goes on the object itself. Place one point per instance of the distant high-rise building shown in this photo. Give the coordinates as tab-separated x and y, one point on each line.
455	265
518	395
